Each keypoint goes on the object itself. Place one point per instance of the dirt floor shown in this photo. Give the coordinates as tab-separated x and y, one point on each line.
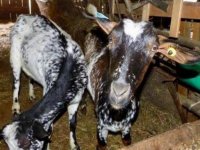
151	120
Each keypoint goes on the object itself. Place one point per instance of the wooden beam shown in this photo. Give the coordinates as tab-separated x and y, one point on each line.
146	12
190	11
29	6
112	9
183	41
176	18
177	138
128	4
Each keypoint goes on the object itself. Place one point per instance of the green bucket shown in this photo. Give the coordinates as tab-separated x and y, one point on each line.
193	81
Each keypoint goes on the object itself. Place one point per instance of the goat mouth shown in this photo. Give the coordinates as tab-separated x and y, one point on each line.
118	106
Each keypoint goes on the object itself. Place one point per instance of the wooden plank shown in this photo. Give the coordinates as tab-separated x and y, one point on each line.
176	18
35	9
123	9
190	11
4	15
14	10
191	44
5	3
196	31
154	11
25	3
175	139
146	12
15	3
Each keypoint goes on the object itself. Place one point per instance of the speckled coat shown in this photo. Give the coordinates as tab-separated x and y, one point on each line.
116	66
38	47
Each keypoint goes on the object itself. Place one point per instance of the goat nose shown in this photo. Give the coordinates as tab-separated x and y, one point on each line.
120	89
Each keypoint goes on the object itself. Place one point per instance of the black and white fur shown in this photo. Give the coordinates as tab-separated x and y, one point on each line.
38	47
117	63
30	130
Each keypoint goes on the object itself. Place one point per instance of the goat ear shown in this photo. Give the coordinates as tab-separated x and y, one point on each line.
106	26
101	20
39	132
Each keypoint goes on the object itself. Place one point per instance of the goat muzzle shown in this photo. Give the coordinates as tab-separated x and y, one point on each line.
119	96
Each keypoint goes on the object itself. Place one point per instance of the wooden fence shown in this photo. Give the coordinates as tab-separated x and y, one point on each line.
10	9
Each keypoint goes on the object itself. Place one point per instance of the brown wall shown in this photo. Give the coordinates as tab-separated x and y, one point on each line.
10	9
190	29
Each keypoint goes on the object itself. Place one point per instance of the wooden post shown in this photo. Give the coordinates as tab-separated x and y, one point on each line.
29	7
176	18
146	12
128	5
118	9
111	9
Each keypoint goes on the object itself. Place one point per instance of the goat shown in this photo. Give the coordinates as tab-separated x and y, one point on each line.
38	47
117	62
31	129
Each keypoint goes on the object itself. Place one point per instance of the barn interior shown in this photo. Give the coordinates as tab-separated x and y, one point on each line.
169	95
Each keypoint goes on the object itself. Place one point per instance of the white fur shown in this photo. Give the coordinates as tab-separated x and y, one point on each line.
10	134
133	29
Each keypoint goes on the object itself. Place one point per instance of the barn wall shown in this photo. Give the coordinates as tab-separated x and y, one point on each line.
190	29
10	9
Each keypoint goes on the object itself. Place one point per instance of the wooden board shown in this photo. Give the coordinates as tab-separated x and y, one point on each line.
176	18
171	140
190	11
11	9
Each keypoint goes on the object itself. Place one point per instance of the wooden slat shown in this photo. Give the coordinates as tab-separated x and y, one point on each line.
15	3
146	12
176	139
5	3
190	11
25	2
176	18
123	9
14	10
196	30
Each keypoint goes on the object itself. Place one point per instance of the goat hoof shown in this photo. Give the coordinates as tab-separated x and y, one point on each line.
101	147
15	112
76	148
126	141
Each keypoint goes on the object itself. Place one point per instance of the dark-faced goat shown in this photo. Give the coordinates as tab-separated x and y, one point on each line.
117	55
38	47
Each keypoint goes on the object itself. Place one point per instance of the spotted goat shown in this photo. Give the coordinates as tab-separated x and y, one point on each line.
117	56
31	129
38	47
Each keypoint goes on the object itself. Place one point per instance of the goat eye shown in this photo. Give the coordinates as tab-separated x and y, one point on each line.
110	41
154	48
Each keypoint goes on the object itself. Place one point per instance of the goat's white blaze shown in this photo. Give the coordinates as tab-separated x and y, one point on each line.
133	29
10	134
